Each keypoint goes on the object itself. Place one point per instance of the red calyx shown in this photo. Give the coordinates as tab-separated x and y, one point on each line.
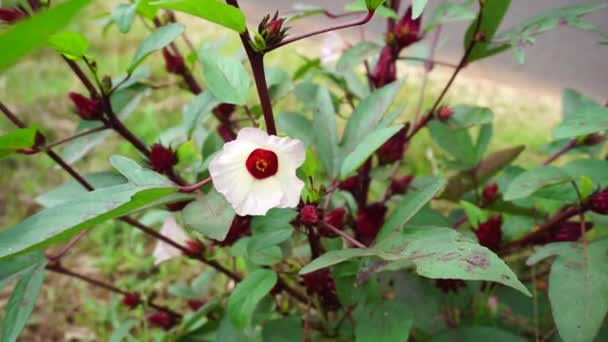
87	109
174	64
444	113
131	300
241	226
309	214
598	202
224	110
385	71
567	231
272	30
322	283
449	285
194	248
226	132
593	139
162	158
162	320
195	304
489	233
10	15
407	31
402	184
349	184
393	149
489	192
334	218
369	221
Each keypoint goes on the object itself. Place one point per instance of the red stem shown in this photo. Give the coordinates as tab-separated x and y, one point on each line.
570	145
75	136
346	237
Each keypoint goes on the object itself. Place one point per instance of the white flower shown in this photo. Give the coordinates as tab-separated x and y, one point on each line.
163	251
257	172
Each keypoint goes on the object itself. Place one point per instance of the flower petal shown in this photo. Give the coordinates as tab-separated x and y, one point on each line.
263	195
253	135
163	251
229	174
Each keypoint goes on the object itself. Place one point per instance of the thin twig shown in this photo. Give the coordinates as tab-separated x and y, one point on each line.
75	136
428	60
345	236
570	145
194	187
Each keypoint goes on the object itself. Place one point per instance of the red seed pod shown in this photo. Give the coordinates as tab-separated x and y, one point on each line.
194	247
131	300
162	158
369	221
174	64
489	233
449	285
87	109
195	304
402	184
394	148
10	15
598	202
567	231
309	214
444	113
161	319
489	192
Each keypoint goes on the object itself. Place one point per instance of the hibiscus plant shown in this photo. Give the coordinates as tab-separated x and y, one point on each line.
290	191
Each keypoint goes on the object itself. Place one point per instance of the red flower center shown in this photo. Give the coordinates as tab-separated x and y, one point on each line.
262	163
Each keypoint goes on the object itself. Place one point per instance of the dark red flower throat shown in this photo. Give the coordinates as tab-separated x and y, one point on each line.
262	163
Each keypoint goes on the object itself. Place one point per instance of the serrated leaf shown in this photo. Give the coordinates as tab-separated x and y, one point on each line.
587	120
71	189
326	132
247	294
73	45
211	215
366	148
533	180
212	10
226	77
157	40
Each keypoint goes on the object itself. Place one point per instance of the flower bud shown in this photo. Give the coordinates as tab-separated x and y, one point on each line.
449	285
489	233
194	247
272	30
308	214
241	226
10	15
489	192
598	202
224	110
162	158
226	132
593	139
349	184
161	319
369	221
444	113
400	185
131	300
87	109
407	31
174	64
567	231
393	149
195	304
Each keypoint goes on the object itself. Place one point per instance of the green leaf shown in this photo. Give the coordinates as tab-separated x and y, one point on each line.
210	215
381	10
355	55
573	101
466	116
418	7
212	10
275	219
124	15
21	303
31	33
198	110
226	77
474	214
532	180
72	189
493	13
387	321
16	266
123	331
590	119
337	256
285	329
73	45
477	333
456	142
366	148
145	188
373	4
22	138
247	294
263	249
409	206
157	40
367	116
326	132
578	287
449	12
296	126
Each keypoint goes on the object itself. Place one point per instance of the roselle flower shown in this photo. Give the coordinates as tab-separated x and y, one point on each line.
164	251
257	172
385	71
350	184
224	111
450	285
87	108
369	221
161	319
593	139
10	15
489	192
240	227
567	231
598	202
444	113
393	148
334	218
162	158
174	63
323	285
309	215
401	185
131	300
489	233
272	30
407	31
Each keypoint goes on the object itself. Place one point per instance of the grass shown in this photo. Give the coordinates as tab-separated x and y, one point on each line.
36	90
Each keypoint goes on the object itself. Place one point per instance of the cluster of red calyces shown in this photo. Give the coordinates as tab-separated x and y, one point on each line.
322	284
567	231
162	158
369	221
174	63
450	285
131	300
10	15
87	108
272	30
309	214
162	320
240	227
489	233
335	218
394	148
598	202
